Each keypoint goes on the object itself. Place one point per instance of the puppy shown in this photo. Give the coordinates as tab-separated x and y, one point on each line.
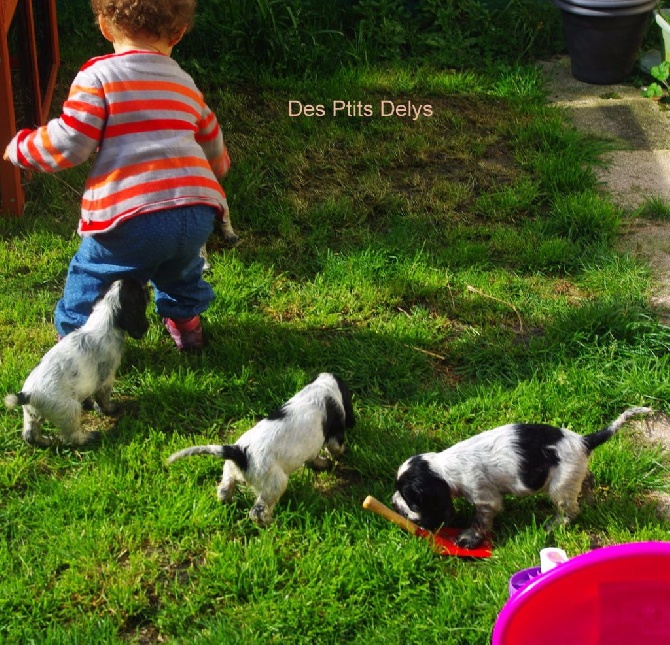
230	238
265	456
82	365
518	458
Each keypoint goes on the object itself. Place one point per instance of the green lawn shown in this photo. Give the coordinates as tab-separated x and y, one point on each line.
456	270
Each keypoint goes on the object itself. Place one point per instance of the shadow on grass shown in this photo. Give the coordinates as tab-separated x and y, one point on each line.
600	520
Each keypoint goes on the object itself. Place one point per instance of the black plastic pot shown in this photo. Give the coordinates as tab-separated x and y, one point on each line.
604	36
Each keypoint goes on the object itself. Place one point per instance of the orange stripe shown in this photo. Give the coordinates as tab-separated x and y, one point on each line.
87	108
148	86
36	154
148	188
83	89
58	157
146	166
124	107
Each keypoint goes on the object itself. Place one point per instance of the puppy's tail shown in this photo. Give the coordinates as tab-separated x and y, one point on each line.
592	441
14	400
234	453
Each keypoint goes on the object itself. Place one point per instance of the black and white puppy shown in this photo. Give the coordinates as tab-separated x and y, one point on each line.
518	459
83	364
265	456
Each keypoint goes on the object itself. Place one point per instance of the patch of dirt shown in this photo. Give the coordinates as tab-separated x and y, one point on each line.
651	241
462	144
656	430
340	480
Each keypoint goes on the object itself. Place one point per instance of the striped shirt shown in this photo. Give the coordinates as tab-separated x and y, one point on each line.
158	144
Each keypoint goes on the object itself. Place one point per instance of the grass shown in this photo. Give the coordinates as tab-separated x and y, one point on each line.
458	271
655	208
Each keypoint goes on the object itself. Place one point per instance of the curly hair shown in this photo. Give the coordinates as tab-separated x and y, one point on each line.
159	18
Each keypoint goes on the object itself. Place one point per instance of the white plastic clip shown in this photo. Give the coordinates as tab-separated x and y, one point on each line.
551	557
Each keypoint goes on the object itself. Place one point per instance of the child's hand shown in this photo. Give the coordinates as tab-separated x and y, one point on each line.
5	156
224	164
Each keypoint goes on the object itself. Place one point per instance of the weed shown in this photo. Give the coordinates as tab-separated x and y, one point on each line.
661	73
655	208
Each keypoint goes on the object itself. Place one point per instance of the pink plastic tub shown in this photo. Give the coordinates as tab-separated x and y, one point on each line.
617	595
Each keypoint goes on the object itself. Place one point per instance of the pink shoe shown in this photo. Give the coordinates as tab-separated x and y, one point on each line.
185	332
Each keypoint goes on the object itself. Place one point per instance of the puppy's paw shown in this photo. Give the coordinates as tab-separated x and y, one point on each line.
335	449
588	493
260	515
555	522
224	493
108	410
230	239
37	439
321	464
203	254
83	439
228	234
92	438
469	539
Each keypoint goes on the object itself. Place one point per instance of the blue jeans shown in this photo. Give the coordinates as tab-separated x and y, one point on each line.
162	248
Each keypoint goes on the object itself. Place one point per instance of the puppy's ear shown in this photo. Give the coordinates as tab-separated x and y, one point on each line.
334	422
426	494
444	505
349	418
132	314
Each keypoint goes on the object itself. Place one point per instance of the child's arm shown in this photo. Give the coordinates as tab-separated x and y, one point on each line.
66	141
210	138
211	141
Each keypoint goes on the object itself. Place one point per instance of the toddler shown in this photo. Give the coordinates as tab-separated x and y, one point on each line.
152	194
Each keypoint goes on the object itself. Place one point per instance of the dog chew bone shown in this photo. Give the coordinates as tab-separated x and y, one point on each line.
443	541
374	505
